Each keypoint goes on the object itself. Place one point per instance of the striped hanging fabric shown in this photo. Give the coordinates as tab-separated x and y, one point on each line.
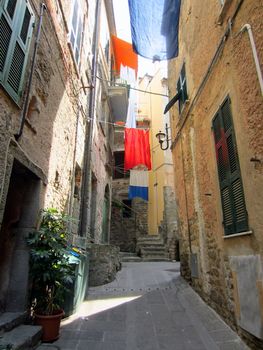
138	184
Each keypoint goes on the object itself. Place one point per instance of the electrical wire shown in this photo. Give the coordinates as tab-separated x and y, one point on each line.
133	88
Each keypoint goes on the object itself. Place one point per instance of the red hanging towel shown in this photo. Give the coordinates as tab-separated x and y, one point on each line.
137	148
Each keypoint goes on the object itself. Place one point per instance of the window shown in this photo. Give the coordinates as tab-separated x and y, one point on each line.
16	25
119	172
76	30
127	208
182	88
231	188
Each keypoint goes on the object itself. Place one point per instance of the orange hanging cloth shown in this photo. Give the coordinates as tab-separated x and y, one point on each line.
124	54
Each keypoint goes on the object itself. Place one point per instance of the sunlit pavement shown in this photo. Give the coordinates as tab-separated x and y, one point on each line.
148	307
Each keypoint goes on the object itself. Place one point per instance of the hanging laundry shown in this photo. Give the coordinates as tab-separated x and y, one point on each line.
139	183
137	148
124	54
128	74
154	28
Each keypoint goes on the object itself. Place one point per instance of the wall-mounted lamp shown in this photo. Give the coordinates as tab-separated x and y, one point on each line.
163	138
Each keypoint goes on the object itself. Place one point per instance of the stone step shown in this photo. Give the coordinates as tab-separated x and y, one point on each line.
154	258
131	259
127	254
154	245
23	337
149	244
152	254
149	238
10	320
151	248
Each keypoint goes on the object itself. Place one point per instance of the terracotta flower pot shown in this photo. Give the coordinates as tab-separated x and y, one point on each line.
50	325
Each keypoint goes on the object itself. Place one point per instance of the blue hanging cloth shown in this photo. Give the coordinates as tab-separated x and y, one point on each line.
154	28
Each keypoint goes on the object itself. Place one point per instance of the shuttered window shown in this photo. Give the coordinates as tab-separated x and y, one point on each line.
231	188
76	30
182	88
16	25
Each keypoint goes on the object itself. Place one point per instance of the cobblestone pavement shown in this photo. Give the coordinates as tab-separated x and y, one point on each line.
148	307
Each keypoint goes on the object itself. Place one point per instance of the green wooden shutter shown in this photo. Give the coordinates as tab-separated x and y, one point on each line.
16	25
182	88
7	24
231	188
180	101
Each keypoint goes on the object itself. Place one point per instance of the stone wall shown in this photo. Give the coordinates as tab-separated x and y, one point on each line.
52	143
125	230
104	264
140	206
232	74
170	220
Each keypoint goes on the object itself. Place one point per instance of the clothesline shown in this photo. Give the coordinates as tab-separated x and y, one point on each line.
133	88
111	123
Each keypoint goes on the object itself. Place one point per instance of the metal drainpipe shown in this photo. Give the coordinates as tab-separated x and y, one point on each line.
87	175
255	55
24	113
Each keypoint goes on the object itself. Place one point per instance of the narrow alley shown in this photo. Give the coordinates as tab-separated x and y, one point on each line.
131	163
150	307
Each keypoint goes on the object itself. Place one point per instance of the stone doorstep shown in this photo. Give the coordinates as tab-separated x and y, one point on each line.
23	337
10	320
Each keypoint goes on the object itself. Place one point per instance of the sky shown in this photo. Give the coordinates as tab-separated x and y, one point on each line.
122	20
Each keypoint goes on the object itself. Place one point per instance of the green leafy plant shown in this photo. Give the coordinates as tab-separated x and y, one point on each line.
50	270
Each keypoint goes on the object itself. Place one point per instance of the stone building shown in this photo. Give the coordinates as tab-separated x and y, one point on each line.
46	88
217	152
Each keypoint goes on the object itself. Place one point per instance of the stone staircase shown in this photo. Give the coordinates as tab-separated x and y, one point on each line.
151	248
15	335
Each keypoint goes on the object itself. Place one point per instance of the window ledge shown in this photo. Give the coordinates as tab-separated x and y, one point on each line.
246	233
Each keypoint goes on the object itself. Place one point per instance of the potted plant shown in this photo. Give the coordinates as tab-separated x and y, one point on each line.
50	271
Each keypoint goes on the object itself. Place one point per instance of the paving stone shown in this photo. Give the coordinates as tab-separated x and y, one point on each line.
48	347
92	325
223	335
114	336
94	335
231	345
